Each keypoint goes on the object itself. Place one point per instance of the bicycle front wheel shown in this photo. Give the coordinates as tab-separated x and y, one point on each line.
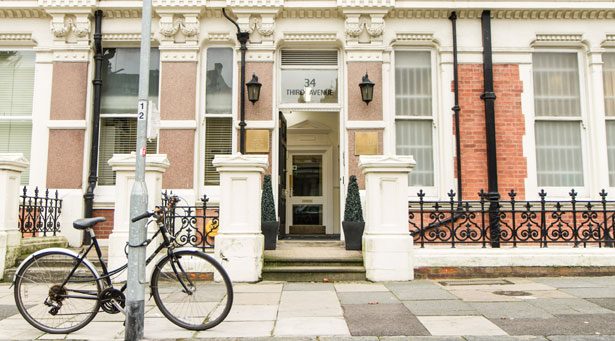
56	295
192	290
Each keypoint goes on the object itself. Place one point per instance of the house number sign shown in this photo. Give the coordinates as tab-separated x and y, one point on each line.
309	86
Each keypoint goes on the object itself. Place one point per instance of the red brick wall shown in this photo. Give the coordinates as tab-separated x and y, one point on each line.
104	229
510	128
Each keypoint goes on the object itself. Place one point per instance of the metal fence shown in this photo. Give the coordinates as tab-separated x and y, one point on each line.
192	225
571	222
39	215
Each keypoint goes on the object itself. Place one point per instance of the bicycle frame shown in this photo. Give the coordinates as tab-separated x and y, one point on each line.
106	275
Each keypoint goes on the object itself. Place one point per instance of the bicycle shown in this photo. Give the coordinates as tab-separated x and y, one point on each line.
60	291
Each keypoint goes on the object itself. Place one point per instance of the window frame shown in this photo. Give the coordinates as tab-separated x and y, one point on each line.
23	118
213	191
108	190
430	191
556	192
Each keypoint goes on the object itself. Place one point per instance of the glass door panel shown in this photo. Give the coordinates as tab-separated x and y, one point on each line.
307	175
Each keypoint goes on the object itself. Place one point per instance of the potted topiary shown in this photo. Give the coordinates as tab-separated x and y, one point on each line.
353	223
269	225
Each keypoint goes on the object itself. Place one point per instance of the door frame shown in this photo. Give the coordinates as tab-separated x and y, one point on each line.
327	186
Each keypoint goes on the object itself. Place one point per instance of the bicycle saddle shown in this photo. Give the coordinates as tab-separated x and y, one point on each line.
81	224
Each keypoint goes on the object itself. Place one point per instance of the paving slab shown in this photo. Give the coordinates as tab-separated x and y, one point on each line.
419	293
311	326
382	320
256	298
569	306
482	296
252	313
582	338
348	338
591	292
440	307
509	310
359	287
7	310
421	338
569	282
523	286
367	298
238	329
308	286
163	328
309	304
560	325
505	338
607	303
98	331
258	287
408	285
460	325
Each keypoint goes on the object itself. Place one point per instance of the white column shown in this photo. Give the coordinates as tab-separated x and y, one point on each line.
11	167
239	244
124	167
598	167
387	244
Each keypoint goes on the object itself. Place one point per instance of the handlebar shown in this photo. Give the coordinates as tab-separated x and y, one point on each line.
142	216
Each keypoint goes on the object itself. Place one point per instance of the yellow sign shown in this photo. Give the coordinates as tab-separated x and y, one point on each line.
366	143
257	141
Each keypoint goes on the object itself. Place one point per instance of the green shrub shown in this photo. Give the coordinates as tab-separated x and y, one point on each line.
353	211
267	202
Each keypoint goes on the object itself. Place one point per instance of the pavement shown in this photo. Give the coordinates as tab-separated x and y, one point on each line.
548	308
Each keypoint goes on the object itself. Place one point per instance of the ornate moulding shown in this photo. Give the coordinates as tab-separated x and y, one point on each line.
219	36
178	3
609	41
67	3
179	29
21	13
122	37
24	39
415	39
178	54
558	39
357	23
309	13
364	55
264	55
122	13
311	37
366	3
254	3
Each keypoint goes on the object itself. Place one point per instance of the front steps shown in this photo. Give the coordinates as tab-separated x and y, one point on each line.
313	261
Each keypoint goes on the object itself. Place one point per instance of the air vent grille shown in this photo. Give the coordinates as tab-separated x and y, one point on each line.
309	57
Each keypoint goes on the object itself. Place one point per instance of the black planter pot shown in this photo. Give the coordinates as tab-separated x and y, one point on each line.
353	234
270	231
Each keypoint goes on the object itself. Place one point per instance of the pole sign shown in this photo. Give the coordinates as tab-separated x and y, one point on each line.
142	110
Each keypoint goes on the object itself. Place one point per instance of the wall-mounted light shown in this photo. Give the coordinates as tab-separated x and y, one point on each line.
367	89
254	89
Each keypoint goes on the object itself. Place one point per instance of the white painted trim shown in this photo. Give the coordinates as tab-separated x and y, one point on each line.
257	124
178	124
366	125
66	124
520	256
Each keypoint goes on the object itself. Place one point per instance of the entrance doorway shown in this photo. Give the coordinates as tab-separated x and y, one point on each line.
312	175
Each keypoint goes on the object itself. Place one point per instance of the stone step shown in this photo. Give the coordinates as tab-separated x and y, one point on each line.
314	273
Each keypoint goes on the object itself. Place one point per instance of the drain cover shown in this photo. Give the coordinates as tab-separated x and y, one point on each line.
512	293
475	282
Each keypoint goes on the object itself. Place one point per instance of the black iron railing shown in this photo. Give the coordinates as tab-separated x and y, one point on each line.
577	223
192	225
39	215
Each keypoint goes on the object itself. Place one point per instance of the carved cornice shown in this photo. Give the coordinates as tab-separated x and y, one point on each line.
122	13
71	55
421	39
66	3
556	39
609	41
17	38
306	37
171	25
122	37
254	3
521	14
219	36
6	13
178	55
178	3
303	13
70	28
366	3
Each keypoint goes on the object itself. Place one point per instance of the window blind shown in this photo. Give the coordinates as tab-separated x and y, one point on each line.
608	73
559	159
117	136
413	98
413	84
16	137
309	57
218	141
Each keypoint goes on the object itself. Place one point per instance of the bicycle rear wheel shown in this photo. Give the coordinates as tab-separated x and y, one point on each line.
47	304
192	290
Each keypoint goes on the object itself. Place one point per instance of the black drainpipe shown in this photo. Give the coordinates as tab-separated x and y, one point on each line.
243	38
97	82
488	97
456	109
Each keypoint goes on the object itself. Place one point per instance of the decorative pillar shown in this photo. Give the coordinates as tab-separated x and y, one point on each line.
124	167
387	244
11	167
239	244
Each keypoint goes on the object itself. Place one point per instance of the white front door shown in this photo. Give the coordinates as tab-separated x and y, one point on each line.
307	203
